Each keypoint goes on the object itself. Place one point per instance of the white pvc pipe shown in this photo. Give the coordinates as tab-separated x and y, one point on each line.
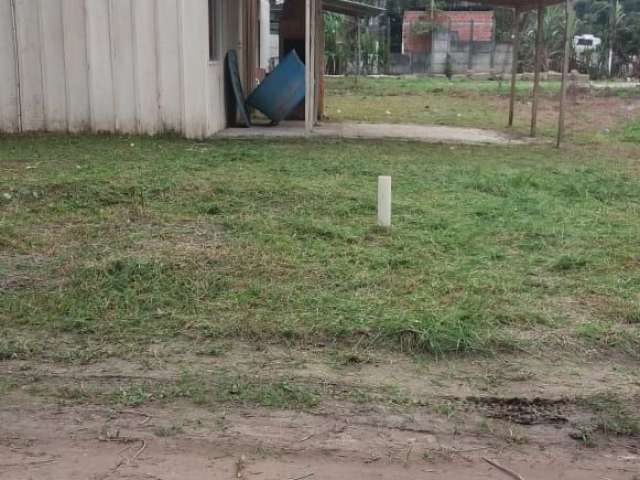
265	33
384	201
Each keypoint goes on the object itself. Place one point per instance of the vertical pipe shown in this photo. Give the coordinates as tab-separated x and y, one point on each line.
565	71
514	66
538	66
384	201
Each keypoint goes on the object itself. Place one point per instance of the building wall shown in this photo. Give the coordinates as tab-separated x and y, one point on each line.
129	66
496	61
461	25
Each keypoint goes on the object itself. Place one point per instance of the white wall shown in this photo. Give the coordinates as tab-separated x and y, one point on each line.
130	66
9	109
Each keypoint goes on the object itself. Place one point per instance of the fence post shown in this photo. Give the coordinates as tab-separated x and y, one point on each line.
359	53
447	58
514	65
470	61
387	66
492	61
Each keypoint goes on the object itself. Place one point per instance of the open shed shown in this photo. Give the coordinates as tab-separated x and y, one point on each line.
294	26
519	7
313	49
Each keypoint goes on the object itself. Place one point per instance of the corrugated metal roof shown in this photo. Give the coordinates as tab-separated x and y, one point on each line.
351	8
521	4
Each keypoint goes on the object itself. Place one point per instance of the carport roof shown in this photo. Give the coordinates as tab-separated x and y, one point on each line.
351	8
520	4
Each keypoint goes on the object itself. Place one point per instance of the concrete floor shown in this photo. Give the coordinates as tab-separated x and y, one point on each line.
422	133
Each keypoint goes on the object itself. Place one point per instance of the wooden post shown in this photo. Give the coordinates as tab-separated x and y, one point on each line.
613	11
565	70
388	47
538	66
318	112
470	59
493	49
514	66
309	66
358	50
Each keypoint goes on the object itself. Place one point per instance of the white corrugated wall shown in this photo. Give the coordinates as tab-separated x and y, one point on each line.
129	66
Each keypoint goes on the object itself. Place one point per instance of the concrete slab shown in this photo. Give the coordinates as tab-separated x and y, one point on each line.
615	85
422	133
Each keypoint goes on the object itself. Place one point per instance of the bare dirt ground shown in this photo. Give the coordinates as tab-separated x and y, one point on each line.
387	417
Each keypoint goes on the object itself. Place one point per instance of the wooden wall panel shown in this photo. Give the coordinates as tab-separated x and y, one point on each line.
101	91
76	65
169	59
113	66
53	65
146	60
9	101
195	58
124	68
27	14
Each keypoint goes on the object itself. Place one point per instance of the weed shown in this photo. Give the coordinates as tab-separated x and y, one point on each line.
447	409
6	386
568	262
611	336
18	348
133	396
612	415
212	349
168	431
504	431
584	434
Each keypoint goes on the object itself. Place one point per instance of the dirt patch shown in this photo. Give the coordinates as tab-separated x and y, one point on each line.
391	417
184	239
523	411
21	271
47	442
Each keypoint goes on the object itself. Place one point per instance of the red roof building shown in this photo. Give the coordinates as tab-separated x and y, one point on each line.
462	25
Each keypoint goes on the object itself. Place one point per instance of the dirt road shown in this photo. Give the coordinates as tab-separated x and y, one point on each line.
131	419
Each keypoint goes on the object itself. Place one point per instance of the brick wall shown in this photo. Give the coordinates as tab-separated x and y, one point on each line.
458	22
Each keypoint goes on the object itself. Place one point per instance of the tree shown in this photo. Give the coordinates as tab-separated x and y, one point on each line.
619	30
553	45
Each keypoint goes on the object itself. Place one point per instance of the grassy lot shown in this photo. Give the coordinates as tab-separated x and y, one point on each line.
129	241
475	103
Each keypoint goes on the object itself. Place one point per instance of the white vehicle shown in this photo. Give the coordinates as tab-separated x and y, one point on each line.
587	49
586	43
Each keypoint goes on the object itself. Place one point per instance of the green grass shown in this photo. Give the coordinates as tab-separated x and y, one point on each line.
208	390
463	102
632	132
6	386
420	100
612	415
128	241
416	85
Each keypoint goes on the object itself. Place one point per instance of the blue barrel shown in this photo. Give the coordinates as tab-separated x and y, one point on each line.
282	90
